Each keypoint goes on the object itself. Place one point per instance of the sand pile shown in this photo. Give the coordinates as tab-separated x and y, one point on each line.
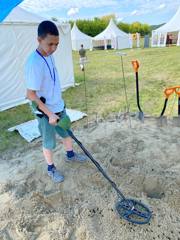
144	162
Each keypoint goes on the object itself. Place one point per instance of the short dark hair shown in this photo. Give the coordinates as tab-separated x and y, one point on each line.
47	27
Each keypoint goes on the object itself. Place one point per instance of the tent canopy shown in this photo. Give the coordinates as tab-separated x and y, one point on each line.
111	31
79	38
19	14
77	34
161	35
173	25
6	7
21	33
112	35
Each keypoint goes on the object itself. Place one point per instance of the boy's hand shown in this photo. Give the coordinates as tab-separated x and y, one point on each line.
53	118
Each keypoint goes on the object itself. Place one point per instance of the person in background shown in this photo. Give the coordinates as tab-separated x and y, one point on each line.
82	54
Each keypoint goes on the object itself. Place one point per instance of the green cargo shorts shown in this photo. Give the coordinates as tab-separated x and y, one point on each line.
48	132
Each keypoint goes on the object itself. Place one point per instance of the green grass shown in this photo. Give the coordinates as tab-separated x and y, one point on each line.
159	68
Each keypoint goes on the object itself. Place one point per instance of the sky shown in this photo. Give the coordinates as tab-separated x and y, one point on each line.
146	11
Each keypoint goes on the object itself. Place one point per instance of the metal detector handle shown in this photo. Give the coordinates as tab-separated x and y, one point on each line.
96	163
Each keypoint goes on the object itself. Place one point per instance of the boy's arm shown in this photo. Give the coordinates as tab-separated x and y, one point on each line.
31	95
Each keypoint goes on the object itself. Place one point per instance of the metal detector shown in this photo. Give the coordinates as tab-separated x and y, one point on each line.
130	209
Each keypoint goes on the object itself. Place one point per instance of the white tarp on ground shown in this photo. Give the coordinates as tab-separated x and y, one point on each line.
18	34
78	38
29	130
113	35
159	36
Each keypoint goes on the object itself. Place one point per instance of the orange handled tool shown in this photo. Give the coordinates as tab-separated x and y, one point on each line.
135	64
168	92
177	90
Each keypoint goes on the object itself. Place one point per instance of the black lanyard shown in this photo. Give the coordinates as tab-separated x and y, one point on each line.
53	76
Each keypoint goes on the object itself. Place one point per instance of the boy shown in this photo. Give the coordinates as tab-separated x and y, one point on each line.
43	89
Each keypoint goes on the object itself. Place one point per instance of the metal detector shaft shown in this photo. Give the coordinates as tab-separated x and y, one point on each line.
96	164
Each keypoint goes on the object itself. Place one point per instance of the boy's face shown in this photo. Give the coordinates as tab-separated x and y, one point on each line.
49	43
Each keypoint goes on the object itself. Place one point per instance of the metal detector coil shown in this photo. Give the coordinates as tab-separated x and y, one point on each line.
133	211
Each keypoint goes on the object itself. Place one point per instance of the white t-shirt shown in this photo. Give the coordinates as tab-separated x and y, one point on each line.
42	79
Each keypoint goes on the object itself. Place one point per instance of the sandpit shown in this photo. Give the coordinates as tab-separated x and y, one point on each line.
144	161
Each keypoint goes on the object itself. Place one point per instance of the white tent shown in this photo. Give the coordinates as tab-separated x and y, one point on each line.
159	36
78	38
112	35
18	34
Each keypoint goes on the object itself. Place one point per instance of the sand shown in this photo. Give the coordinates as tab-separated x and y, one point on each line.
144	161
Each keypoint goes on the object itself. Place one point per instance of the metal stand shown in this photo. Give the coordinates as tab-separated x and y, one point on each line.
121	54
82	63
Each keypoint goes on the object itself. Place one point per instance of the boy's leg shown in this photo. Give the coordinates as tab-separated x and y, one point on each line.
67	142
49	143
71	156
48	155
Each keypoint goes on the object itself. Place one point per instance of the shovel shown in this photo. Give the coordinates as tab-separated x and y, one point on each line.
135	64
176	120
167	92
177	91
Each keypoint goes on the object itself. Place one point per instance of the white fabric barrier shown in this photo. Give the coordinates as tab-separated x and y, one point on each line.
178	41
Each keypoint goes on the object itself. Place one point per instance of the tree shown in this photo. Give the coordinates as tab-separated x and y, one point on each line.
124	27
145	29
107	18
97	25
135	27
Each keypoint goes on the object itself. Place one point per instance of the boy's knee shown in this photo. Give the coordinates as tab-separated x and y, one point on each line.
49	141
50	145
61	132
